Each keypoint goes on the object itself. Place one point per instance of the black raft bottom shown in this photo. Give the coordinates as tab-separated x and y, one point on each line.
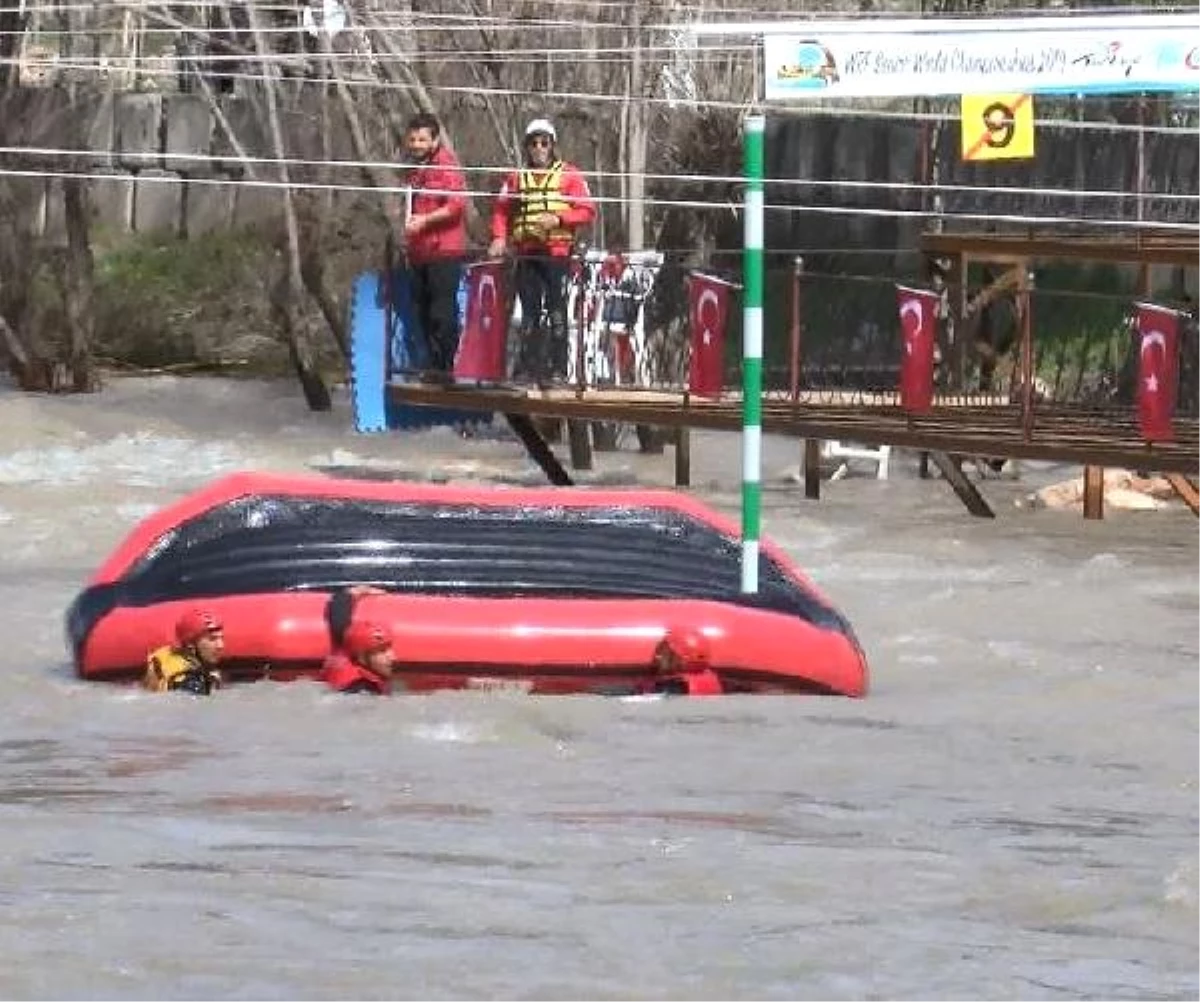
264	544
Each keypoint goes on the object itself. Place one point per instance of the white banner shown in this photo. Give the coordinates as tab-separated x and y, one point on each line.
987	59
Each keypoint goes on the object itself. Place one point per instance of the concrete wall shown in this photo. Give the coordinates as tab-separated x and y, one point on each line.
160	161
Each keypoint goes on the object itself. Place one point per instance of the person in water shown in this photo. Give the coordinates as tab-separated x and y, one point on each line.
364	662
191	663
683	665
362	658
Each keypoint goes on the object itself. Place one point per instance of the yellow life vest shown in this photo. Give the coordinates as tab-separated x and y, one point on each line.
167	667
537	197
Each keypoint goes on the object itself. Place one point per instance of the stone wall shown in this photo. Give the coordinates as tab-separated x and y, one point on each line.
160	162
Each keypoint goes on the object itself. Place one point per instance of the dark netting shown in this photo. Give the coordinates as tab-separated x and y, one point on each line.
271	544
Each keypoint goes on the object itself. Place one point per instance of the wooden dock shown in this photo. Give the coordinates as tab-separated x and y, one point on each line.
956	428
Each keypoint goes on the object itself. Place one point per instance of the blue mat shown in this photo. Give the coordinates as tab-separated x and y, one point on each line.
371	347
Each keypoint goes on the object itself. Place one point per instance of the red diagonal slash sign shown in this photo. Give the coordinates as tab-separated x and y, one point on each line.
983	140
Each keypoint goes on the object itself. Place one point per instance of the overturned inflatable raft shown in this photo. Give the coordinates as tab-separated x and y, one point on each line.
547	589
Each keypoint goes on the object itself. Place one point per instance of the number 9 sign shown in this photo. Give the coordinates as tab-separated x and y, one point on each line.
997	126
1000	123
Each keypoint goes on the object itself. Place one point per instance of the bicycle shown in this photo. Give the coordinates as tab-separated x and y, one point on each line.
607	308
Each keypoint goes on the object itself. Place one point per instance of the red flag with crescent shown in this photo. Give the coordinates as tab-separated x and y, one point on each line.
484	339
1158	370
918	329
708	314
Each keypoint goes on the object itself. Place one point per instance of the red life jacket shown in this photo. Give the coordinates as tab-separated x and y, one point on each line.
340	673
702	682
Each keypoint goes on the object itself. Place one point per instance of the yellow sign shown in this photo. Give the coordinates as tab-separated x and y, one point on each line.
997	126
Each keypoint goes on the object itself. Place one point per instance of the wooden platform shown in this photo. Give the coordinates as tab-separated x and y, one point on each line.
1171	247
987	426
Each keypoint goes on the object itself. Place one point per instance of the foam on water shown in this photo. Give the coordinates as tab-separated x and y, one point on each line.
1180	886
451	731
142	459
1101	565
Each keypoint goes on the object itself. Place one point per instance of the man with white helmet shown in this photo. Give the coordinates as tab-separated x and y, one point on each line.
537	214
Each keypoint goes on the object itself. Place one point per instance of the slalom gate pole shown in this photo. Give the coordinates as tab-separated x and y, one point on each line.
753	170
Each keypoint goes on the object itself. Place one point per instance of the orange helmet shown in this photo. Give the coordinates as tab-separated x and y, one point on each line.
365	637
690	646
195	623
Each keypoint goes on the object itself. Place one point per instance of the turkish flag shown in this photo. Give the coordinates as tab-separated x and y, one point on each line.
918	327
1158	370
484	339
708	313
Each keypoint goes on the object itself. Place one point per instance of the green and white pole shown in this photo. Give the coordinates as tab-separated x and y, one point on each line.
753	170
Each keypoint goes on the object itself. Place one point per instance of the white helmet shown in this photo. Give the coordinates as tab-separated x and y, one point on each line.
541	126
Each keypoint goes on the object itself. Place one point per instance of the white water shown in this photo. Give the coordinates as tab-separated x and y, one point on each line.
1011	813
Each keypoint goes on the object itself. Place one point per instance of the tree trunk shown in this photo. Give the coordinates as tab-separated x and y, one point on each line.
12	34
18	356
635	151
78	287
290	295
312	270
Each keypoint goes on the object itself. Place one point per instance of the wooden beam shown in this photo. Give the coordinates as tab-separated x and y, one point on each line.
967	493
1179	249
538	450
1187	490
1093	492
1011	280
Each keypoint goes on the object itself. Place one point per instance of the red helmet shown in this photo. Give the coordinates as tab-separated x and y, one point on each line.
364	637
690	646
195	623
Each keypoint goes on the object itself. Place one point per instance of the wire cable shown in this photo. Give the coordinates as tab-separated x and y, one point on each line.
836	210
731	179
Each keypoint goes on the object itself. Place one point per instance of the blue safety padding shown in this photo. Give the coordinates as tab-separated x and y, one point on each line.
369	349
367	339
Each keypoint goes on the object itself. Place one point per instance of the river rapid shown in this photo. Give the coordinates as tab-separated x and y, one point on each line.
1011	812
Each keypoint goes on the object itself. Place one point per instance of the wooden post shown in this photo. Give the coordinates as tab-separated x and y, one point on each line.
812	468
1027	354
794	368
1093	492
956	313
579	435
683	456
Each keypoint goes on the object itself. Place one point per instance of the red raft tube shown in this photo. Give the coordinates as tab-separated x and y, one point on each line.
550	590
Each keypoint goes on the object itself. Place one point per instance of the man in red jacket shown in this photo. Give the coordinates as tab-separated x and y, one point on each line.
362	658
435	239
364	662
538	212
683	660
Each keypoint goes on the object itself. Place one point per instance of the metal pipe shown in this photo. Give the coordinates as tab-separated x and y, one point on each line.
794	368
